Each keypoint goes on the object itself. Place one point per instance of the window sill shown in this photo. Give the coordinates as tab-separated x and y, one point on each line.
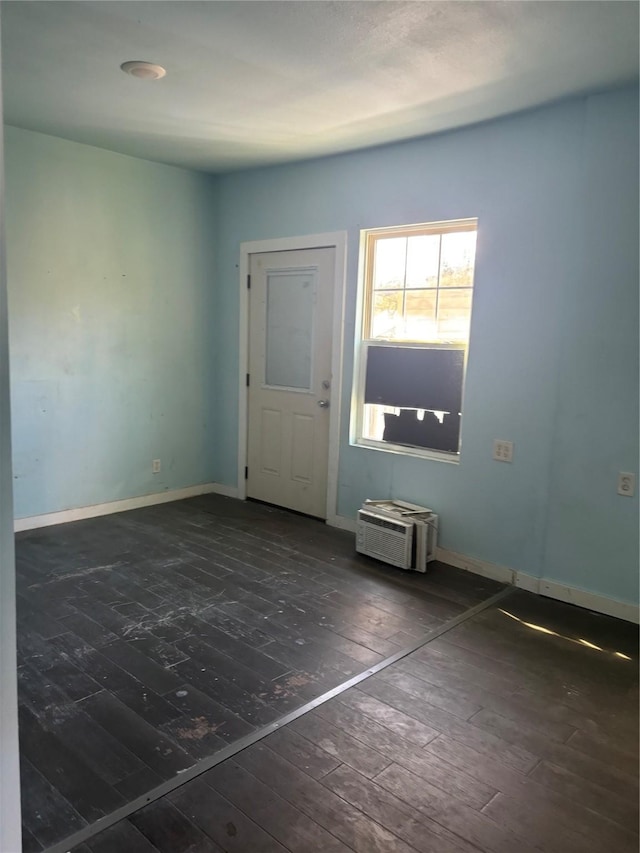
405	450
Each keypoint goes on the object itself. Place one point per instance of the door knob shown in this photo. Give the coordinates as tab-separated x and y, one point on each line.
324	404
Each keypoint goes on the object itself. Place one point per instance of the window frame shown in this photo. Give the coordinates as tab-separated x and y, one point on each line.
365	296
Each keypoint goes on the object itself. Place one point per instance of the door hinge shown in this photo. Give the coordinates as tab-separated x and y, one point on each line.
248	281
247	380
246	473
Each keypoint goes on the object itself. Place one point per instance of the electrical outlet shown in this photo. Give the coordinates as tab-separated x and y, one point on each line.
626	484
503	451
155	466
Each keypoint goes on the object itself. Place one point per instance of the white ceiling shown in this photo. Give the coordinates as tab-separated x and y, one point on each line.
252	83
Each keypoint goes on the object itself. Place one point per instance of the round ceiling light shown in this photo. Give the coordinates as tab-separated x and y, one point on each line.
143	70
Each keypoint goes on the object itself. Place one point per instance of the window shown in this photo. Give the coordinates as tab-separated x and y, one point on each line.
416	313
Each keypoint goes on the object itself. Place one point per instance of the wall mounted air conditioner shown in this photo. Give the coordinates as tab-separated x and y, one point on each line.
398	533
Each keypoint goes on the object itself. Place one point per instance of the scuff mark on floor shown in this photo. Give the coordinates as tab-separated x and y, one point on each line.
201	728
151	621
78	573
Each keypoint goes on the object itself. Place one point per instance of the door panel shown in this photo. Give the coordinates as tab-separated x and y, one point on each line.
271	442
302	448
290	324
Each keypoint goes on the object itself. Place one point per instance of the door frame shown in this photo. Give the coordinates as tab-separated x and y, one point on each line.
336	240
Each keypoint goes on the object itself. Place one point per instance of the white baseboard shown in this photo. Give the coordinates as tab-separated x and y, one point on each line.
478	567
543	586
590	600
225	491
78	513
342	523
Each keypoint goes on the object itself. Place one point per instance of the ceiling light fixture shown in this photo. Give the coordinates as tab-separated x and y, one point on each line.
143	70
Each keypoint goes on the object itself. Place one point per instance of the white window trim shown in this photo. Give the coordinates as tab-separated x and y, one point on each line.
361	343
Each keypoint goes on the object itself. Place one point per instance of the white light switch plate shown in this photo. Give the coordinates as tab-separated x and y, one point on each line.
626	484
503	451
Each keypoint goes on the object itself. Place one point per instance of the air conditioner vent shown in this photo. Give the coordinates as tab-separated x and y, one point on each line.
382	522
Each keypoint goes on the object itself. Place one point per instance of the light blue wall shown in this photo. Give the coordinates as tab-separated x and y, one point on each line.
592	537
110	275
124	335
554	329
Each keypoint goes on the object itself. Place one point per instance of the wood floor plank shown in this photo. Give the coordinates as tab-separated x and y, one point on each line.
469	824
229	685
167	828
91	796
36	619
50	816
161	653
303	656
157	751
104	615
230	828
195	735
236	628
565	662
76	683
613	777
251	658
150	707
419	831
322	634
477	738
196	706
96	747
606	749
105	672
498	695
304	754
41	654
126	586
340	745
90	630
30	843
550	828
215	585
350	825
470	789
42	695
614	806
292	828
455	703
389	716
296	688
146	671
123	838
419	620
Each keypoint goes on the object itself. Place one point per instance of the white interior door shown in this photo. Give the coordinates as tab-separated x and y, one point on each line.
290	323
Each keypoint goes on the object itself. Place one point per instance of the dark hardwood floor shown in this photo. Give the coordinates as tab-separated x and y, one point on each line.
151	639
514	732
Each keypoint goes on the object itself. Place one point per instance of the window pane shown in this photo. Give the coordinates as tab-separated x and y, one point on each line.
454	314
423	259
373	421
457	259
289	329
386	315
424	429
390	255
420	315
